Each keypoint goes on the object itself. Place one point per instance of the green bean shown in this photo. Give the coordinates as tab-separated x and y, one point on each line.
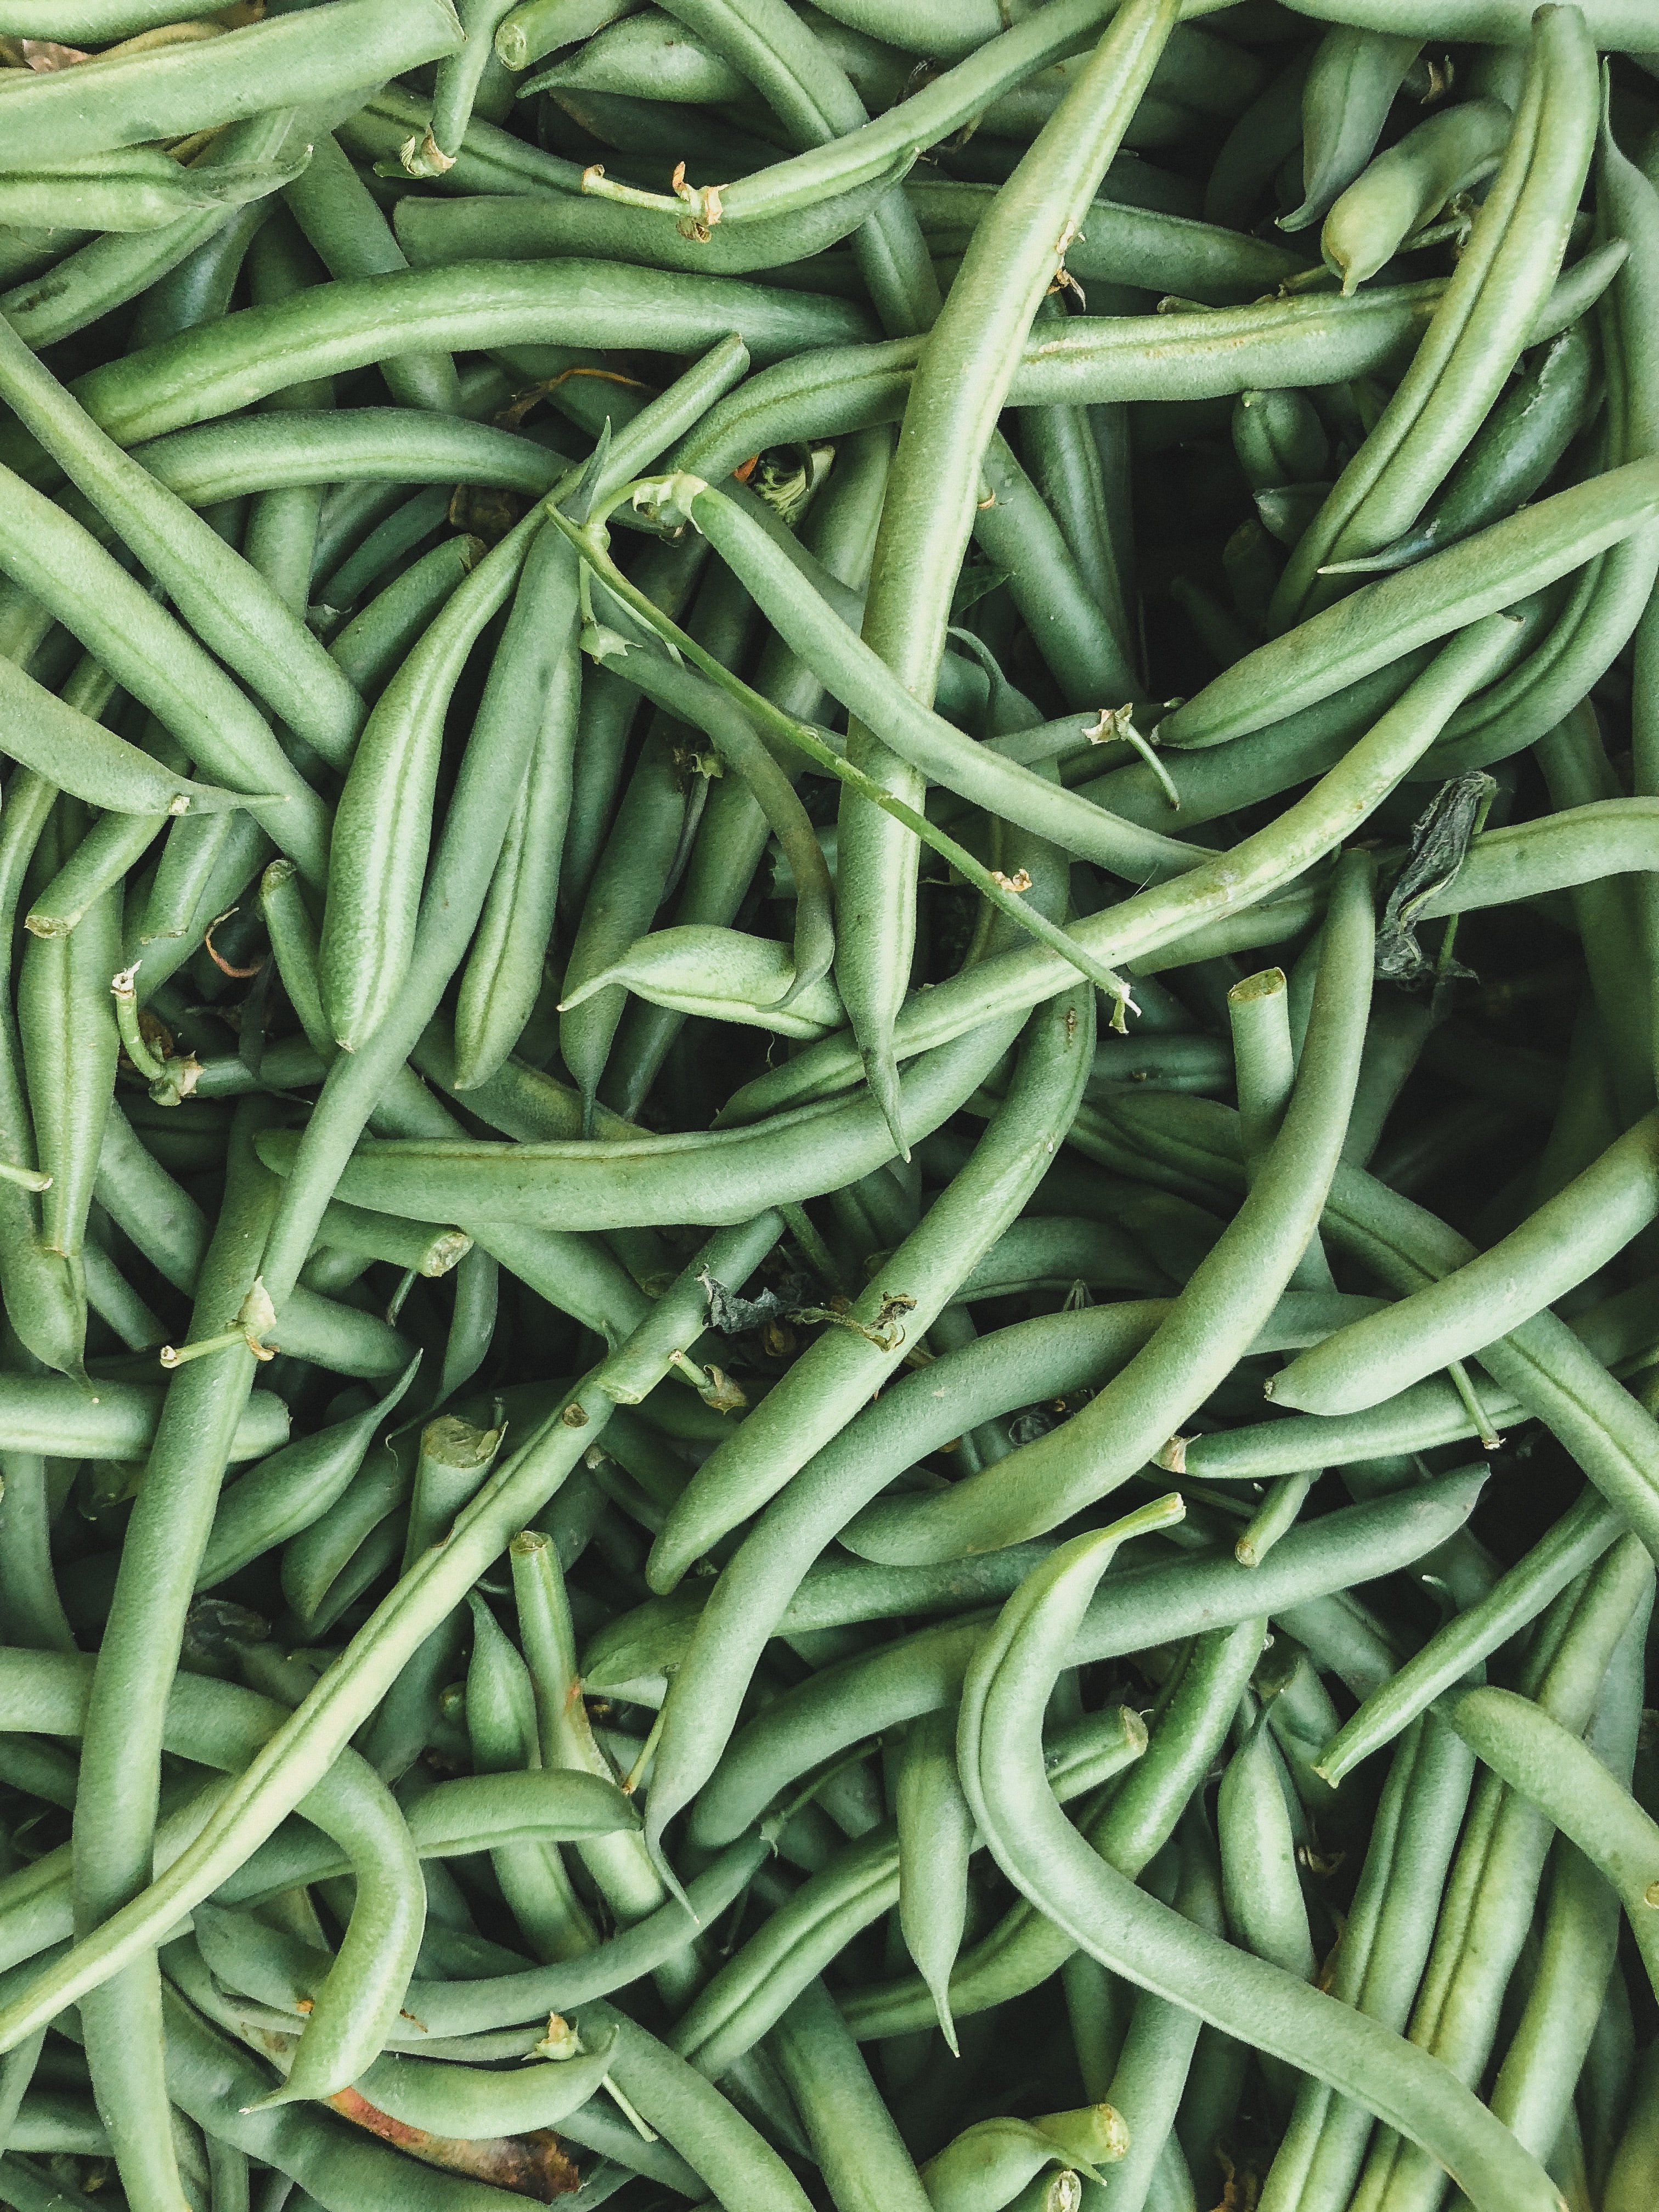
29	1590
1294	342
750	1993
833	1380
1501	564
373	641
741	2168
739	746
842	1704
1608	2078
724	974
1131	1826
631	875
851	668
1554	1770
1491	1893
1635	2162
1604	603
279	538
1480	328
858	2147
66	1024
536	27
222	1724
1263	1891
958	387
338	2168
1121	244
1219	1313
1268	858
489	160
1153	2066
500	2000
1157	1949
406	1244
1017	530
110	849
468	2101
1519	1275
291	1488
45	1304
1351	84
935	1837
363	444
144	94
799	78
619	1865
120	1754
503	972
92	764
617	1183
789	188
1607	837
634	1655
988	2165
500	1722
336	213
39	1412
107	271
472	1324
1616	24
1380	1958
143	191
1402	191
456	84
1543	1364
382	825
1576	1540
348	325
199	289
1578	1947
153	657
1279	439
668	572
656	50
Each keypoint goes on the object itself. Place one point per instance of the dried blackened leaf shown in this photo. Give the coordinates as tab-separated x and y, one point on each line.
1440	843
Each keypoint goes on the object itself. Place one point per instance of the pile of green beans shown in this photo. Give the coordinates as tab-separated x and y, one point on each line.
829	1105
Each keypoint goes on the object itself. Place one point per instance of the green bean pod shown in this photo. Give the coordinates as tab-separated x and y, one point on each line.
289	1490
1480	328
1380	1959
1220	1310
853	2137
383	823
935	1836
1163	1952
1263	1890
1155	2063
1611	1203
504	969
988	2164
1404	189
1501	565
1511	453
141	94
337	214
1556	1771
1350	88
844	1703
500	1720
66	1022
